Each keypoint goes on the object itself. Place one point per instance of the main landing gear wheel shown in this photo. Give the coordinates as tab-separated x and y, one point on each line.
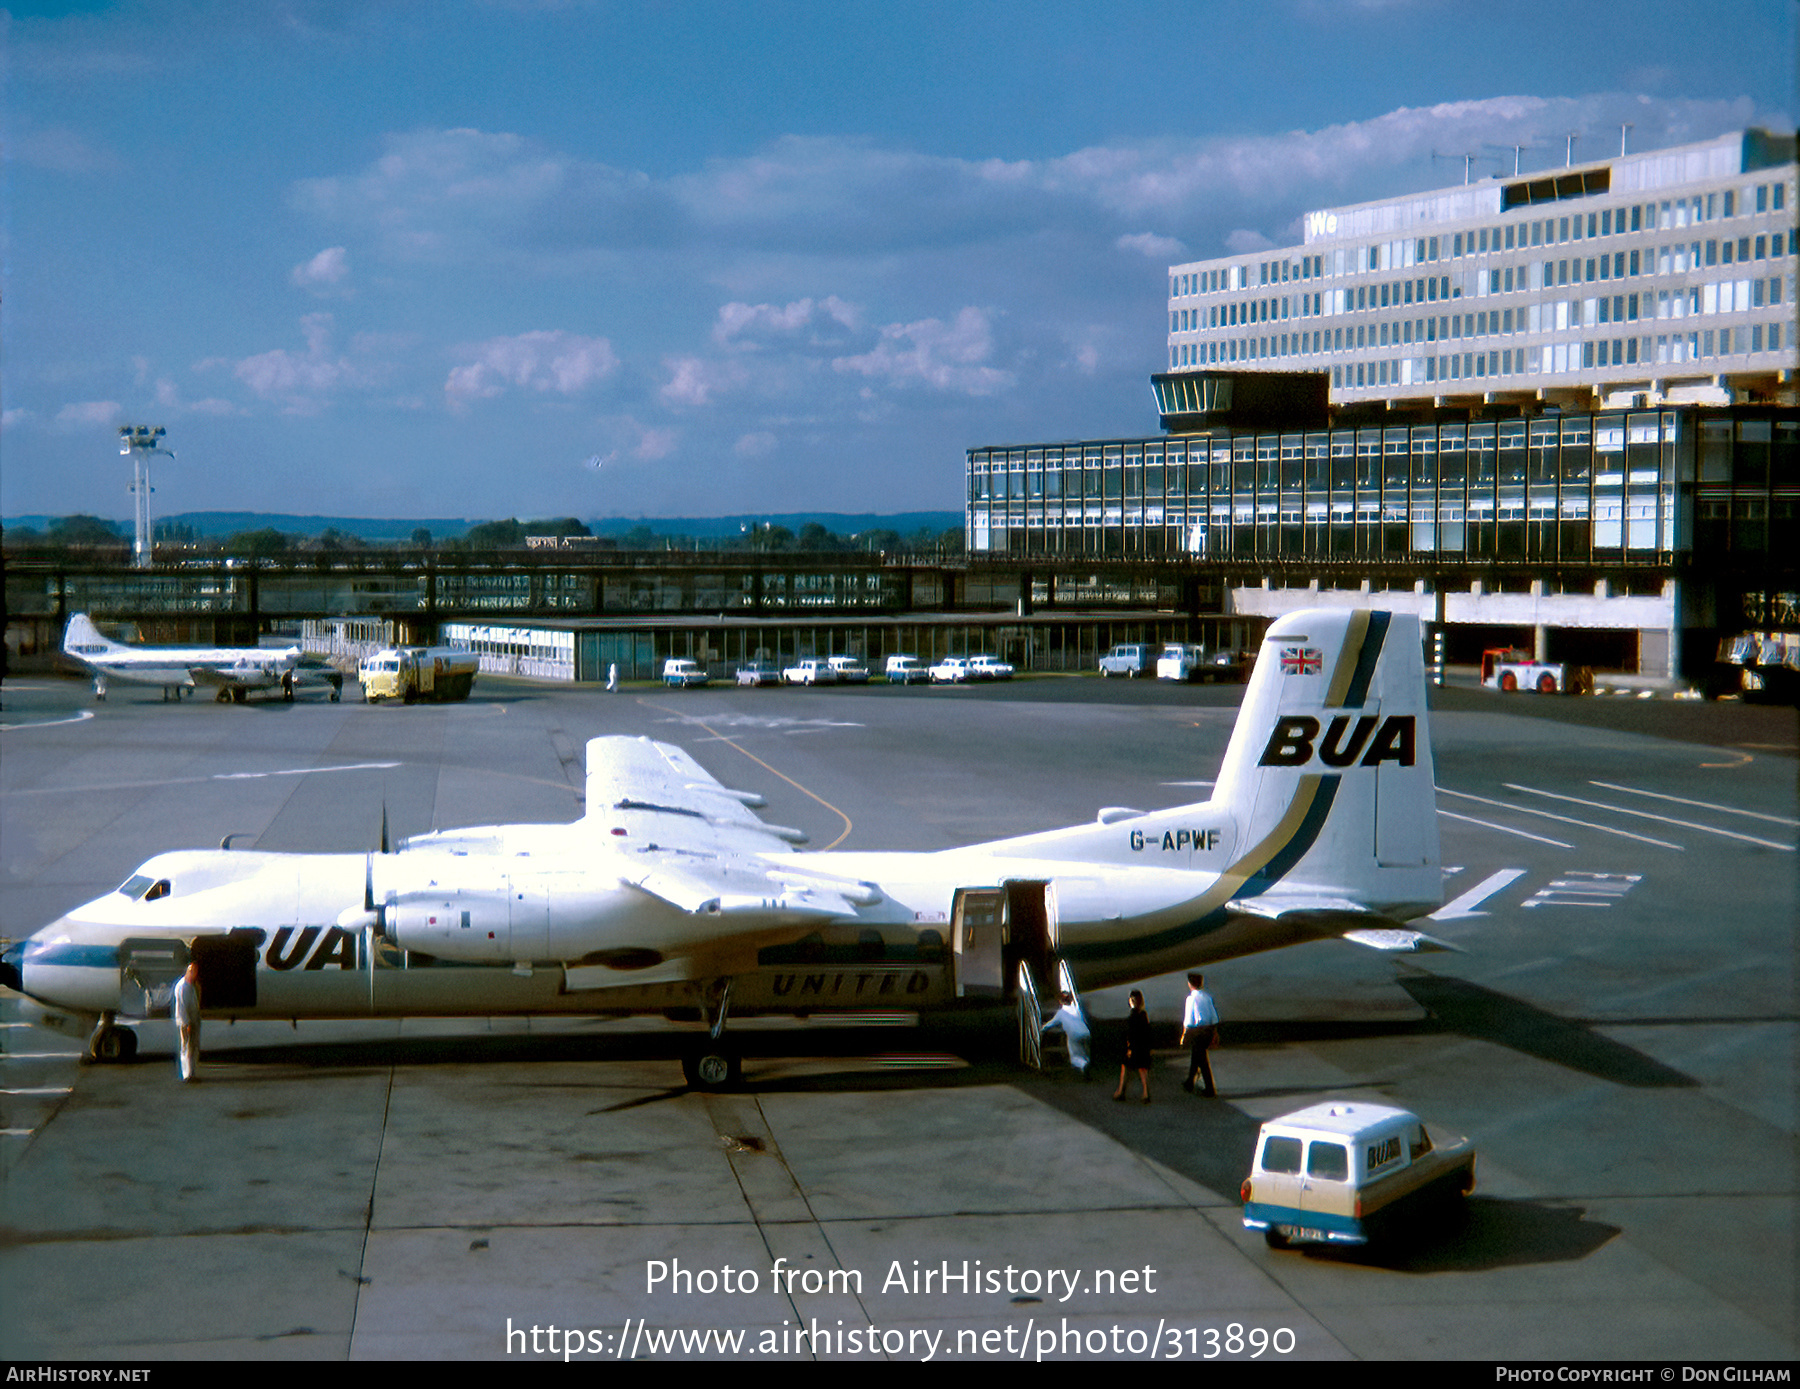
223	696
115	1044
712	1067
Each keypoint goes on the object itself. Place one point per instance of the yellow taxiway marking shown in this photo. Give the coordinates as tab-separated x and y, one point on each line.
713	732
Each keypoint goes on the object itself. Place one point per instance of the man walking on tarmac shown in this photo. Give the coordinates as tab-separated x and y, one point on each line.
1200	1032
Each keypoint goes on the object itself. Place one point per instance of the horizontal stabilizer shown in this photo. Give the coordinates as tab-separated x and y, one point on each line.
1397	941
1291	907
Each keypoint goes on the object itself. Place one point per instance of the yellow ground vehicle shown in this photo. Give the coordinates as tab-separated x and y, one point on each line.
408	673
1347	1172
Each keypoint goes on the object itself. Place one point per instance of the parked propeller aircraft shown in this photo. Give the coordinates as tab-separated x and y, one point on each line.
233	671
670	896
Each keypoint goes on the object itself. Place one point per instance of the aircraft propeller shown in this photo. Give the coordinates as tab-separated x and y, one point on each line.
370	919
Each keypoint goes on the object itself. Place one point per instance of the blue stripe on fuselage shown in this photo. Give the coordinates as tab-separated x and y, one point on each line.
71	953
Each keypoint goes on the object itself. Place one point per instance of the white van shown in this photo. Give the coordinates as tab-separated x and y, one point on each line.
1128	658
1180	662
1346	1172
906	670
682	674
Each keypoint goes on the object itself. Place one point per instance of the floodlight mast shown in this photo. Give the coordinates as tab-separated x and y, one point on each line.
140	441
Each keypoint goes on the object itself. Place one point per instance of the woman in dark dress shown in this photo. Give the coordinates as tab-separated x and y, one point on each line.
1137	1048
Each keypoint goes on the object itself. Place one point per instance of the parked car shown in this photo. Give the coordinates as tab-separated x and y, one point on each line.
952	670
759	673
1346	1172
850	670
684	673
906	670
989	668
1128	659
811	671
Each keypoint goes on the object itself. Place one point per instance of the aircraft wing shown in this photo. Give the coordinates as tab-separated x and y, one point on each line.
657	792
241	675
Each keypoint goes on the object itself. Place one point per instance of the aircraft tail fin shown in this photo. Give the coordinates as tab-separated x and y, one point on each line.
83	638
1328	776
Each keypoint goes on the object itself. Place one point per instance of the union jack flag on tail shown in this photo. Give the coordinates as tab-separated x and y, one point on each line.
1300	660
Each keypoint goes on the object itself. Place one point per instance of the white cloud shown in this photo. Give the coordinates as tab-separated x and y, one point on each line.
300	381
325	273
12	419
653	444
61	151
754	445
745	325
90	412
694	380
547	362
1244	241
170	402
1151	246
945	356
464	194
441	194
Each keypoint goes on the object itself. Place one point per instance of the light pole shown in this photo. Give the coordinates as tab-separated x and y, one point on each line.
140	441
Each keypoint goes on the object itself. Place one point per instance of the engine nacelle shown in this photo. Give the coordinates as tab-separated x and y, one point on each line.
472	925
531	917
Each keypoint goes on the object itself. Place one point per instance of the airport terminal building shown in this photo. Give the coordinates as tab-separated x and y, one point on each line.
1557	410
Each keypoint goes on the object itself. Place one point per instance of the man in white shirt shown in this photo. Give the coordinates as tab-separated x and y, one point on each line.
1199	1031
1073	1026
184	1010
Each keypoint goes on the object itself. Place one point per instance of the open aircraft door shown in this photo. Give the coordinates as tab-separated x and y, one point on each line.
1005	949
148	969
998	929
227	968
978	927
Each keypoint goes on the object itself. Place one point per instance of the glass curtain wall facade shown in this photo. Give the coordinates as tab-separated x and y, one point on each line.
1571	488
1675	268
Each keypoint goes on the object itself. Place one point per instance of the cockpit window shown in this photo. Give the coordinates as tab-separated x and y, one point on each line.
160	888
136	886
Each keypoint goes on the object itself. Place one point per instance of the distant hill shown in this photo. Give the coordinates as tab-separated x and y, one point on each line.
839	522
211	523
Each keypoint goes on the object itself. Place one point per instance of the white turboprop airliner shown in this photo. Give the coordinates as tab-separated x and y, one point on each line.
669	896
234	671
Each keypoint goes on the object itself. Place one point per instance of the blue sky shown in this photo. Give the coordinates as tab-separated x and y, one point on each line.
542	257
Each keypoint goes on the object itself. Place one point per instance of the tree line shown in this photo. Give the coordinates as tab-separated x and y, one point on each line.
97	535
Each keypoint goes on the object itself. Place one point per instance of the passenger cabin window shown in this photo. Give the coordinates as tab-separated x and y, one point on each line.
1328	1161
1281	1155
